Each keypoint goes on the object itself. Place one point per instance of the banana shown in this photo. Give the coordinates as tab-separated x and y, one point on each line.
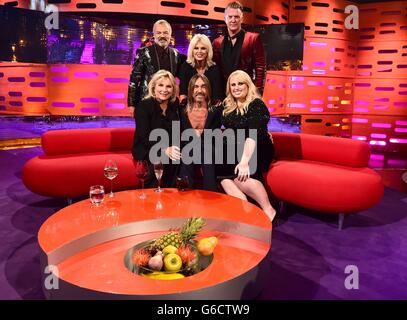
163	276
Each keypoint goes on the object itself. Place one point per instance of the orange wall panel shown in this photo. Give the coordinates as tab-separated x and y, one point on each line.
328	125
384	133
23	89
274	93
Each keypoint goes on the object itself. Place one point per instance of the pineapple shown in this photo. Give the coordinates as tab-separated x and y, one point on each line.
188	231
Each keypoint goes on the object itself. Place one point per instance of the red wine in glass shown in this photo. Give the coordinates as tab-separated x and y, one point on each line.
142	174
182	183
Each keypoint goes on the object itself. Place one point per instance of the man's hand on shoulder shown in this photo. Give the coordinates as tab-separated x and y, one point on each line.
131	109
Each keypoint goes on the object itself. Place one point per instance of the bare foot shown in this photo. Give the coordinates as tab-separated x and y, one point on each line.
270	212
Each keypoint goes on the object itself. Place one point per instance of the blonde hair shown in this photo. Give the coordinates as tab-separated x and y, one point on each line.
162	22
160	74
252	93
208	45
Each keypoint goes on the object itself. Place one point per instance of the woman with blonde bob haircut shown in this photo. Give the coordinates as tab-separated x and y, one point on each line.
158	110
199	61
244	110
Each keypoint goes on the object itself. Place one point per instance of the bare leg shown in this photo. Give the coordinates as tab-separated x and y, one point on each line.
255	189
231	189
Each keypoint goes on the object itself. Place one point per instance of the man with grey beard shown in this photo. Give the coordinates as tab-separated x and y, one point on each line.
150	59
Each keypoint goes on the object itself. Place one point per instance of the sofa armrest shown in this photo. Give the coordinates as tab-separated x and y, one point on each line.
58	142
342	151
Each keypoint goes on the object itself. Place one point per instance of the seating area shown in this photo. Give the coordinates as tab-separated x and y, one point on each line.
310	171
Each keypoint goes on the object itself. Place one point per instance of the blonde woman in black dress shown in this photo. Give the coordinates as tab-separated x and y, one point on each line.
243	109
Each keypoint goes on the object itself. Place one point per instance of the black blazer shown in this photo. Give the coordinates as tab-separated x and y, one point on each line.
145	65
213	74
148	115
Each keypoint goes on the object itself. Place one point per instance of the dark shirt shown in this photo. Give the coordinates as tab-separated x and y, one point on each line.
163	58
212	73
149	116
231	53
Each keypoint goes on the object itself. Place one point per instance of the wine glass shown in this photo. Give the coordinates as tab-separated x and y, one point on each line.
182	183
142	174
158	170
111	171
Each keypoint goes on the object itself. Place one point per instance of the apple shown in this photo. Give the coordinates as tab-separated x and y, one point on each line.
172	262
169	249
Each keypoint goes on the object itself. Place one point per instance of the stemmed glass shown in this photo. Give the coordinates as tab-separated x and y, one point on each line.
158	170
111	171
142	174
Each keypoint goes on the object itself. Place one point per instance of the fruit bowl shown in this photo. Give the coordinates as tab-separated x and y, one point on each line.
199	263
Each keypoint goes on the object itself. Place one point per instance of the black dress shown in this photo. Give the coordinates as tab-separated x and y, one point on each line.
149	116
256	117
212	73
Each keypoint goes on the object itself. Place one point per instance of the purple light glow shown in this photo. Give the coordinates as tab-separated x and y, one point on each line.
318	71
2	98
296	105
400	130
361	138
117	80
361	109
115	95
36	99
359	120
317	102
377	143
16	79
295	78
60	79
381	99
396	140
402	92
271	101
378	135
319	63
15	94
59	69
362	102
318	44
400	104
380	107
377	157
401	123
86	74
89	100
381	125
397	163
37	84
37	74
297	86
315	83
2	107
316	109
16	103
63	104
384	88
89	110
115	105
362	84
271	81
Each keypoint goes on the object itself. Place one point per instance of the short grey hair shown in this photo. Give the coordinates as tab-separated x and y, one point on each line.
162	22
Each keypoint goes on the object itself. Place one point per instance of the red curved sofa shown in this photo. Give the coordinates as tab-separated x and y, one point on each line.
326	174
73	160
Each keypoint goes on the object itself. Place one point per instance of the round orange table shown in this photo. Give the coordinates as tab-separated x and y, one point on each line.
87	244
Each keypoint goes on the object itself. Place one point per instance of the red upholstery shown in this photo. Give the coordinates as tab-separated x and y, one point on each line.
323	173
74	160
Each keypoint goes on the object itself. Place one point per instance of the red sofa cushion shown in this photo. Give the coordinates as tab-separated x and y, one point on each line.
63	142
325	187
72	175
333	150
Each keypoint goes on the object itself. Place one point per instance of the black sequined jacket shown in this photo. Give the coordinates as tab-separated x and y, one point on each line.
145	65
